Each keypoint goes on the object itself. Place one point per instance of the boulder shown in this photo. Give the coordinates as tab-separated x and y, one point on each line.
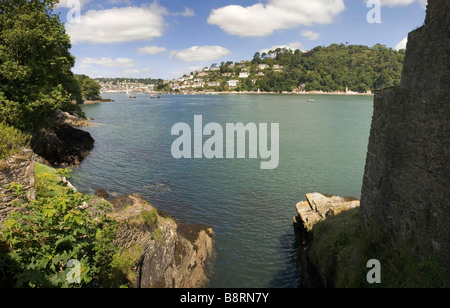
62	145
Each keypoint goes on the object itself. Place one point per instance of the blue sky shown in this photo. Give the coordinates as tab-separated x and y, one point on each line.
169	38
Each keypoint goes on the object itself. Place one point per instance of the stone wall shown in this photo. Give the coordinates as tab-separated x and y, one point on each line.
406	182
18	169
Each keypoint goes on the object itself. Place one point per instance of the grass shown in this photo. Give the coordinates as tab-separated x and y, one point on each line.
342	248
150	218
47	182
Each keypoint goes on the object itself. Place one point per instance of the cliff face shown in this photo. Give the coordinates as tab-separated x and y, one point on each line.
171	255
406	183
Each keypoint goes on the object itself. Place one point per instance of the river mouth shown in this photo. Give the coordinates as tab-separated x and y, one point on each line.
323	148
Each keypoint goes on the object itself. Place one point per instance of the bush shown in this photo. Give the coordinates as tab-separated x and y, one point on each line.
46	234
11	140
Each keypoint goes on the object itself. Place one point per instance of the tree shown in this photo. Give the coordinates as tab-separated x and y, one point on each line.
257	58
35	64
90	88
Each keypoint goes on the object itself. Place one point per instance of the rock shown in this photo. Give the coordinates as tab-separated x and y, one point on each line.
62	145
71	119
17	169
319	207
101	193
176	258
316	209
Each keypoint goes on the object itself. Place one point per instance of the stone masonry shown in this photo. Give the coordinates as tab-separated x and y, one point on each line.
406	183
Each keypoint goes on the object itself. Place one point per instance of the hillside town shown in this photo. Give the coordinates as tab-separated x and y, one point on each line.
228	76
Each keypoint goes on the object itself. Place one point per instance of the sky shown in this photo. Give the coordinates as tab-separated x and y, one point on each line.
169	38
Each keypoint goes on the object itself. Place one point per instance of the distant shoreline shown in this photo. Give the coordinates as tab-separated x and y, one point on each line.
247	92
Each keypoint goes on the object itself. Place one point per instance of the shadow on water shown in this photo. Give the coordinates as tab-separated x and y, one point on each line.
289	276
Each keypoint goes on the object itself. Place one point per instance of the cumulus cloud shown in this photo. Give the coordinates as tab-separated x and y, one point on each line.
264	19
108	62
292	46
402	44
311	35
72	3
200	53
117	25
151	50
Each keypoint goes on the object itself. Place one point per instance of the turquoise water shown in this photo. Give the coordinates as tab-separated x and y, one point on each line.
323	148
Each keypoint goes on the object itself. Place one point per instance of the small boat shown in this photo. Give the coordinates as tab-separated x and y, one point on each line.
155	96
311	101
130	95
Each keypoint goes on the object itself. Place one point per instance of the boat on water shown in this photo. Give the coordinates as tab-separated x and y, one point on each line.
155	96
311	101
130	95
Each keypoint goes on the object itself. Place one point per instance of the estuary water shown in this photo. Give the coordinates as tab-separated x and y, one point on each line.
323	149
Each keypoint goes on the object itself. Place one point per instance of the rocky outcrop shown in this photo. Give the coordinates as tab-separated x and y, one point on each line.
71	119
406	183
315	210
62	145
168	254
19	169
319	207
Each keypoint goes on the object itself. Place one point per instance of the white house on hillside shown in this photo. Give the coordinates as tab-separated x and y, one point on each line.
232	83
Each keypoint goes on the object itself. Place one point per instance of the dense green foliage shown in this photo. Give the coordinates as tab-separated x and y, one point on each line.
341	249
11	140
45	234
35	64
336	68
90	89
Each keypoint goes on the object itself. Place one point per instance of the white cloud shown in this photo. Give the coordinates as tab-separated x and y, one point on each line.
119	25
292	46
402	44
200	53
311	35
188	12
152	50
108	62
72	3
264	19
